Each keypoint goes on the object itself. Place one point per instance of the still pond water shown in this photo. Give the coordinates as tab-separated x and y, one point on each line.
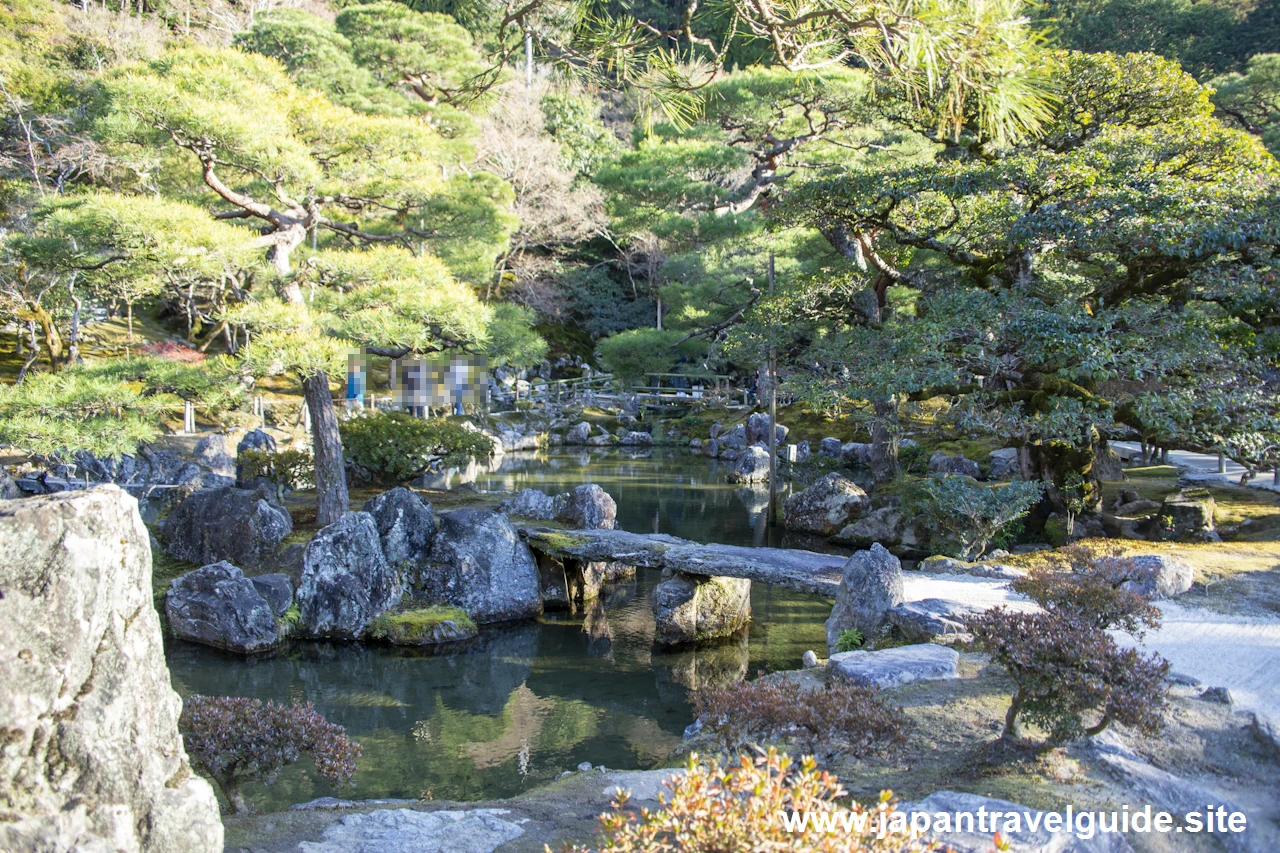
523	703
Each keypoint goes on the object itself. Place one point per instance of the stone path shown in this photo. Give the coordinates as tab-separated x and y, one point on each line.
804	571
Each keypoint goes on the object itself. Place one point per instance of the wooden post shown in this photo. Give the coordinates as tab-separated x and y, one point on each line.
1222	462
306	419
773	415
189	417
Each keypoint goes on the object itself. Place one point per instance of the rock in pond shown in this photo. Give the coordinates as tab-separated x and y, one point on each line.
897	666
826	506
215	452
886	525
589	507
218	606
93	758
426	626
690	608
757	429
242	526
406	525
277	589
751	467
830	447
480	565
967	836
346	580
531	503
578	433
870	585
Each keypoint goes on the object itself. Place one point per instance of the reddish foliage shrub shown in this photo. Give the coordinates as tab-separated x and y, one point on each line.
712	809
824	721
235	740
173	351
1065	665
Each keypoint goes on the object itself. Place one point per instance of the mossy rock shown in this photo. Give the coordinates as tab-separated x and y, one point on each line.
423	627
1055	531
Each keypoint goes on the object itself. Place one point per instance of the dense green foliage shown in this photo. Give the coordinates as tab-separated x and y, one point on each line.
395	447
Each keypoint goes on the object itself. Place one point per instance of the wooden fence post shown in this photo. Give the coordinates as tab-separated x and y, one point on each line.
189	417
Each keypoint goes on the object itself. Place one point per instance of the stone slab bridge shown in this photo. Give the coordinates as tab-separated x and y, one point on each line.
803	571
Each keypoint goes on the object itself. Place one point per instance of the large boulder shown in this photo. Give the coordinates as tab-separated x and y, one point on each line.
711	447
1162	576
1004	464
531	503
752	466
256	440
942	463
1189	512
691	608
757	429
406	525
276	589
242	526
214	452
897	666
734	438
870	585
888	525
480	565
589	507
346	580
830	447
636	439
218	606
578	433
856	453
93	760
921	621
826	506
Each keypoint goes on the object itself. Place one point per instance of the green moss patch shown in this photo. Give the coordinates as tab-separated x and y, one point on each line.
422	627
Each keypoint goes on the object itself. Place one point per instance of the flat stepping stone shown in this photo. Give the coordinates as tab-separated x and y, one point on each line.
896	667
931	617
409	831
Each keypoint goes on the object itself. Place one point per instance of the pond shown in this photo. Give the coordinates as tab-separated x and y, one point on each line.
523	703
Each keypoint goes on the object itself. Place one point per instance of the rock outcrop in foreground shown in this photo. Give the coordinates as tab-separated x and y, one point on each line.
92	758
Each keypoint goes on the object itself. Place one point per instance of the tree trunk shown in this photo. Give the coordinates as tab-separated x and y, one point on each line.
884	445
286	240
1012	727
331	475
129	316
73	339
235	797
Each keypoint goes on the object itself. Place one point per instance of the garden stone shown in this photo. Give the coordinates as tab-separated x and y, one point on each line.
711	448
941	463
346	580
690	608
1140	507
1004	464
715	430
1167	577
1190	512
406	524
254	439
410	831
757	429
826	506
695	444
734	438
589	507
531	503
243	526
94	761
215	453
809	660
1107	466
751	467
480	565
952	566
605	440
886	525
856	453
802	451
637	439
8	487
218	606
1022	840
870	585
277	589
830	447
897	666
921	621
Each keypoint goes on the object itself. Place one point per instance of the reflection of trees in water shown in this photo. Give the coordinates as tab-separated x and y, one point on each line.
679	671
